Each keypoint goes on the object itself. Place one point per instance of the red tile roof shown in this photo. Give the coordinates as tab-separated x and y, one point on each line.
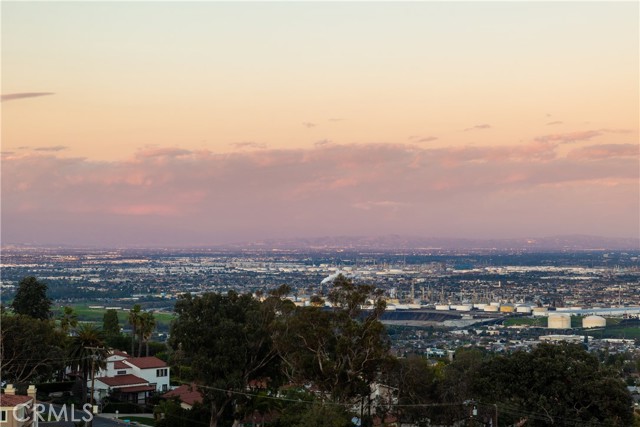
136	389
146	362
187	393
13	399
119	364
123	381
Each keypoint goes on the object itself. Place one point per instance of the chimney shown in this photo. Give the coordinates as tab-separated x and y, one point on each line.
10	390
31	392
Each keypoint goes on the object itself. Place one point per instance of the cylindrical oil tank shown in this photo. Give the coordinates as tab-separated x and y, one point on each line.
479	306
492	308
559	321
540	311
524	309
463	307
507	308
442	306
594	322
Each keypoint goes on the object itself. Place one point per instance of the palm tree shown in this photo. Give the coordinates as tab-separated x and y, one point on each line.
87	352
147	326
134	321
68	319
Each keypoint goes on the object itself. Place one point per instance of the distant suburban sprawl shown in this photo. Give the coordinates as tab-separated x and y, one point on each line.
361	336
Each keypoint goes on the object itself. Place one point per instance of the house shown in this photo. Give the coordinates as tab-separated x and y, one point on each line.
128	388
133	379
15	408
187	394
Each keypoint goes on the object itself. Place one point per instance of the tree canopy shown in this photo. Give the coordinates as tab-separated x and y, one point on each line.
30	349
226	342
31	299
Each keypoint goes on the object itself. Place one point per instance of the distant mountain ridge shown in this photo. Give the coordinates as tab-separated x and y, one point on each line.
390	242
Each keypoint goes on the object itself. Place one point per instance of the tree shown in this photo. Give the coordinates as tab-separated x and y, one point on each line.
31	299
225	341
31	349
340	351
87	353
559	384
416	384
110	323
134	321
68	319
146	326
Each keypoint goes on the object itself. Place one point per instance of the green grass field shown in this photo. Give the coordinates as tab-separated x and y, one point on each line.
95	315
540	322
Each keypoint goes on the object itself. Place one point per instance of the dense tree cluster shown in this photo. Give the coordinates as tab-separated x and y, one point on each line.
306	366
283	365
34	347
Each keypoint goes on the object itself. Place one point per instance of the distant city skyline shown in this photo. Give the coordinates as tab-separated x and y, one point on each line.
205	123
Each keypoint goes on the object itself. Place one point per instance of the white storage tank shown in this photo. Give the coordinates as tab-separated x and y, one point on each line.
559	321
524	309
442	306
492	308
594	322
462	307
540	311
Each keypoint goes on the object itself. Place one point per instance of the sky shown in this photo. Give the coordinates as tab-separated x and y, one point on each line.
205	123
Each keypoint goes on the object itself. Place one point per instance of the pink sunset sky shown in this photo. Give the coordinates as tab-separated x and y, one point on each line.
167	123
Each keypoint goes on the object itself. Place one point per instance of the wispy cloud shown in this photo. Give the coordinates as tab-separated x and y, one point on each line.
565	138
309	125
52	148
605	151
557	122
427	139
23	95
249	144
478	127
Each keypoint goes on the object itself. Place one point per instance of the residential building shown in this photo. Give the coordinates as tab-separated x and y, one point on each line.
132	379
15	408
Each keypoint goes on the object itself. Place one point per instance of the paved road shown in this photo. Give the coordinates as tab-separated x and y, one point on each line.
67	418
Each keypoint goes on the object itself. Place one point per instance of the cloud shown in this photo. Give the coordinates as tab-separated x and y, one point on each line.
566	138
605	151
52	148
176	196
309	125
15	96
386	204
249	144
570	137
478	127
428	139
554	123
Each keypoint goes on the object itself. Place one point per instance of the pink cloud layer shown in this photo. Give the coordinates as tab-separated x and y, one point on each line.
177	196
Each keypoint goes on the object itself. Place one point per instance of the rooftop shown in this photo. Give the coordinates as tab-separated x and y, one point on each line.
146	362
123	381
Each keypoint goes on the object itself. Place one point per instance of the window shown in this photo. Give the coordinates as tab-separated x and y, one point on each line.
162	372
3	416
121	372
164	387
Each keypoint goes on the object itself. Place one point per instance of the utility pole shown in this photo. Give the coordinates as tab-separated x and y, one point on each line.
495	405
93	378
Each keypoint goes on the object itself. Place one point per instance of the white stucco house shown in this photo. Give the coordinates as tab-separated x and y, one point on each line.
133	379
